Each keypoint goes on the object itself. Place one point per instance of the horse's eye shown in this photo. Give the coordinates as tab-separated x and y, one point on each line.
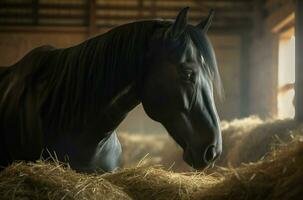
188	75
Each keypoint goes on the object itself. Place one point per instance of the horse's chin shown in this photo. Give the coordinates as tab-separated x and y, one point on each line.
189	159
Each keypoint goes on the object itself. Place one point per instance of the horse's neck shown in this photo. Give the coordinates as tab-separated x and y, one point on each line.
103	75
119	106
123	67
105	95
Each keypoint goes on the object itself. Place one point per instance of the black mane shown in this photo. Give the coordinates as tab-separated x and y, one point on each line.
210	66
104	64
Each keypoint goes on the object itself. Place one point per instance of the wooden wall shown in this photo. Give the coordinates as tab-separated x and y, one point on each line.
105	14
14	45
275	17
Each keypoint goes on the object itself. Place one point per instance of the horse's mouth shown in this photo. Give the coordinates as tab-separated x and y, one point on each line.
189	159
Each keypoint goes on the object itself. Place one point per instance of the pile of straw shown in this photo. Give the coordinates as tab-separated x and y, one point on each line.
232	134
255	143
278	176
42	180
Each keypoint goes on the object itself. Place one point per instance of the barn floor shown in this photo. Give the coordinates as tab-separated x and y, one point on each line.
277	175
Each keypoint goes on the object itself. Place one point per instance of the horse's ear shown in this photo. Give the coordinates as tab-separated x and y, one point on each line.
205	24
179	25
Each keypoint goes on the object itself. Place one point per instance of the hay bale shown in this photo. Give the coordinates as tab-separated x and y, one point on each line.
44	180
232	132
258	141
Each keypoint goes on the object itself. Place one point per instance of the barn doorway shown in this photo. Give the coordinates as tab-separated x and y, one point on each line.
286	75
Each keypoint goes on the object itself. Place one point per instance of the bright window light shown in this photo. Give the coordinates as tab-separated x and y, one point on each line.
286	78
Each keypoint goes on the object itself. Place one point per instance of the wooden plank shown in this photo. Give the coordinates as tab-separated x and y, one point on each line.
240	6
175	8
39	15
226	4
70	29
42	5
228	20
274	20
287	21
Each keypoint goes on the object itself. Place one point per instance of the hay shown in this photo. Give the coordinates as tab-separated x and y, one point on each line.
150	150
144	183
278	176
255	143
233	132
44	180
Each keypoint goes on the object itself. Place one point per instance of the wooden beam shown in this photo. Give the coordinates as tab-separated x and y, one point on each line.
299	62
40	15
228	20
279	15
236	4
42	5
46	29
228	6
283	23
245	10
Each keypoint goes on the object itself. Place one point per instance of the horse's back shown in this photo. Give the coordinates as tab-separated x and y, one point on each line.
19	121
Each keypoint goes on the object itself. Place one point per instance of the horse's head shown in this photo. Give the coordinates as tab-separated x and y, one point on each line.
178	88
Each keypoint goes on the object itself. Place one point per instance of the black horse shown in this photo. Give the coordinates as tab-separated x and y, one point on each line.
70	101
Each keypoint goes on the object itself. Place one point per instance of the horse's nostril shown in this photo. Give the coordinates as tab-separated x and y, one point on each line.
210	154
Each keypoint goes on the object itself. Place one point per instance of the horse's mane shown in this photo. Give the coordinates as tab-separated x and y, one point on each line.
94	71
209	66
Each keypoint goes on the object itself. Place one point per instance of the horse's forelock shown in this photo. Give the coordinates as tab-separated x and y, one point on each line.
210	66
